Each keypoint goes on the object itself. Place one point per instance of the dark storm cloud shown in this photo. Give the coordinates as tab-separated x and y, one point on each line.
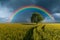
3	0
19	3
51	5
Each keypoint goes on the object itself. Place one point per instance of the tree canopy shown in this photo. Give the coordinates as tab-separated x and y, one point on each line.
36	17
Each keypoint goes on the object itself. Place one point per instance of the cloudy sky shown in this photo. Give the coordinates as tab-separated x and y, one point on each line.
7	7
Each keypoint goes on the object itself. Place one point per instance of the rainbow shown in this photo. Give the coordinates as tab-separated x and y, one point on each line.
37	7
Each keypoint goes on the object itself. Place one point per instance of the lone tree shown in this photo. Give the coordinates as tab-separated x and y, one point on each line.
36	17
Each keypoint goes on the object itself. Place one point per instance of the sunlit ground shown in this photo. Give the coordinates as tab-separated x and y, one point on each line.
40	31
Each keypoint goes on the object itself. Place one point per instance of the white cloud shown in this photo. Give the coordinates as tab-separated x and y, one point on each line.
5	12
57	17
56	14
48	20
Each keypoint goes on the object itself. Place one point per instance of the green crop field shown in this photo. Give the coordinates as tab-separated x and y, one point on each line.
41	31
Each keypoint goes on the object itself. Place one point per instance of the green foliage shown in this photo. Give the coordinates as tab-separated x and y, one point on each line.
36	17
